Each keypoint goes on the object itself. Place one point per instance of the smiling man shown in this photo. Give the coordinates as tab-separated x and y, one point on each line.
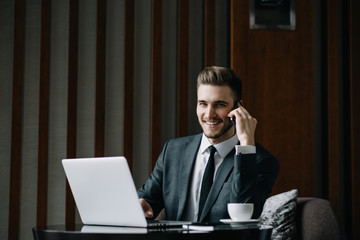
196	176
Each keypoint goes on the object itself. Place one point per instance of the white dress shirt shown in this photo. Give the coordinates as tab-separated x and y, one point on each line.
222	149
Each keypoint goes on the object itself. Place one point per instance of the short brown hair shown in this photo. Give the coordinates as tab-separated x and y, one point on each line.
220	76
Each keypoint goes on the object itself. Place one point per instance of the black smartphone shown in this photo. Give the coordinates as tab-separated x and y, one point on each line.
233	119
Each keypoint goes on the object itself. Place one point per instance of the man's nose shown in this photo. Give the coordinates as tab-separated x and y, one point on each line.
210	111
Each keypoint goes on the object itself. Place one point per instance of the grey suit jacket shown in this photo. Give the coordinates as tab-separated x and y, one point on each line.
240	178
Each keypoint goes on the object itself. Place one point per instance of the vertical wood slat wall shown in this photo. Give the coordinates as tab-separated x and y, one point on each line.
16	119
100	79
354	49
333	102
72	103
209	40
182	67
342	112
157	64
156	79
129	82
43	144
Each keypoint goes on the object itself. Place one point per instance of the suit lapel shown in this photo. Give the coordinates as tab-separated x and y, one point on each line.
222	174
187	164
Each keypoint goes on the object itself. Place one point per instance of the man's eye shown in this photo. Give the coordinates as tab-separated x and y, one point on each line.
220	105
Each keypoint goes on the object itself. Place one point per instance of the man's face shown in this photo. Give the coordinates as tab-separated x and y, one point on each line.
214	104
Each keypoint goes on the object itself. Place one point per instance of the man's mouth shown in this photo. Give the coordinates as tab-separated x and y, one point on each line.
212	123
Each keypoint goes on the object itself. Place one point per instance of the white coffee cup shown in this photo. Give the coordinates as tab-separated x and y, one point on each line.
240	211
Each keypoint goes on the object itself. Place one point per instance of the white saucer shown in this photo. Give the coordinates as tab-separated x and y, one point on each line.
244	221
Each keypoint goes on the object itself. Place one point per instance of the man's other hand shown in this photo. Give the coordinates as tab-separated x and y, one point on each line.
148	212
245	126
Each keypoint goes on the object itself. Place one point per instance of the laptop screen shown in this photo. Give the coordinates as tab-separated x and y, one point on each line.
104	191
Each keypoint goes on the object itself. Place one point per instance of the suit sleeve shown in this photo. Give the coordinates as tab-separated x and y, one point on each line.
254	176
152	190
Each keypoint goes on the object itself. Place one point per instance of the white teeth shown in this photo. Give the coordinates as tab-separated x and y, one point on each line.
211	123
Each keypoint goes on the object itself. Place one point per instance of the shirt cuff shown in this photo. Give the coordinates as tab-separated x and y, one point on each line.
244	149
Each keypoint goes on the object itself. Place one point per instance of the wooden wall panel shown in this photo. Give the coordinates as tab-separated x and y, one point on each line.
239	25
277	72
354	50
341	97
156	79
100	79
43	145
222	33
333	102
182	67
129	82
169	73
57	110
72	102
16	118
209	38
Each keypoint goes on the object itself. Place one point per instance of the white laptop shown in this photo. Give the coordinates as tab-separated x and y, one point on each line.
105	193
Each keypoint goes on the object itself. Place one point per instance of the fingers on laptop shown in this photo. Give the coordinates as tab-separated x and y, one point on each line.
148	212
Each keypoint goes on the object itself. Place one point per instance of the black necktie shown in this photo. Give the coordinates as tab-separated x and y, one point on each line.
207	180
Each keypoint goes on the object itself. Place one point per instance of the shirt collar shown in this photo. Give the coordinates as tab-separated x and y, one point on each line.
222	148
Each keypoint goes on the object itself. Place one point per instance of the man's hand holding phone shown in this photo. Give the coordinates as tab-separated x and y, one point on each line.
245	125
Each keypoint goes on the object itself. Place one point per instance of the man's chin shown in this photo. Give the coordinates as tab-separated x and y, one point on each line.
213	134
217	134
